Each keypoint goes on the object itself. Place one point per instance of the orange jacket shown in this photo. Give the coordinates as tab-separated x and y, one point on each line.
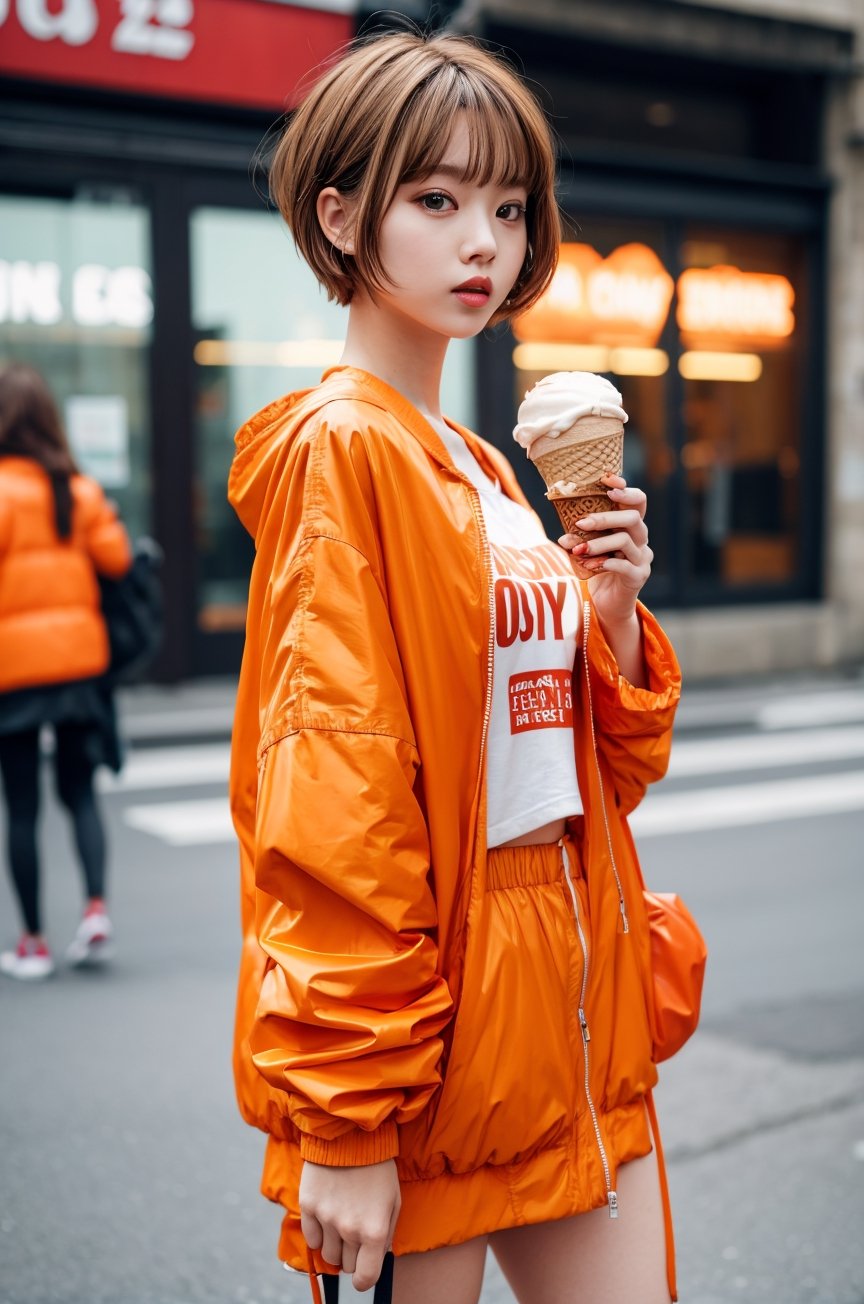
358	779
51	626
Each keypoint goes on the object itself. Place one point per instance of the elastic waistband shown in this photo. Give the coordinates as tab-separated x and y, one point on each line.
529	866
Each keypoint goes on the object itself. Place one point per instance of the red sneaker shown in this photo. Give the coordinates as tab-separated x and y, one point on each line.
92	943
30	960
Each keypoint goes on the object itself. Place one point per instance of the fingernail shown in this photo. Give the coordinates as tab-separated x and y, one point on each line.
585	523
580	548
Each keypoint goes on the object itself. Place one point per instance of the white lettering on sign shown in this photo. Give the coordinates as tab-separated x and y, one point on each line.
726	301
616	294
156	27
74	22
159	28
101	296
30	292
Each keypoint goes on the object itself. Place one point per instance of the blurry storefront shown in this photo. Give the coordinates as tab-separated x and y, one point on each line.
713	187
135	250
708	178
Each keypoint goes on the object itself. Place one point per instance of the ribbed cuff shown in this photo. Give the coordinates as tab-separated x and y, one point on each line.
352	1148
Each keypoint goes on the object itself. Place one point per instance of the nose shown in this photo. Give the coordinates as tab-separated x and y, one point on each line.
478	240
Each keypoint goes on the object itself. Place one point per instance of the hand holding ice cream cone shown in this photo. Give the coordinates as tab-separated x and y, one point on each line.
571	425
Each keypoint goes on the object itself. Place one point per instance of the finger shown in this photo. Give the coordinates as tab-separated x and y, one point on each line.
630	498
370	1257
349	1256
331	1250
313	1232
616	481
634	577
626	519
606	544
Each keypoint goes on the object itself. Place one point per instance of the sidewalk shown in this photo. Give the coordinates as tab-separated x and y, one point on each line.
202	710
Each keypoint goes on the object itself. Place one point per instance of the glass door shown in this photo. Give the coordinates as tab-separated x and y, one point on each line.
76	302
262	327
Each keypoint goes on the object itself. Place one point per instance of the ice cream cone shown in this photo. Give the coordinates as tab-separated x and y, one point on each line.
572	428
591	448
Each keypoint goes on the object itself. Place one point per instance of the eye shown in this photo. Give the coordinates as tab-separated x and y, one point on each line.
436	202
511	212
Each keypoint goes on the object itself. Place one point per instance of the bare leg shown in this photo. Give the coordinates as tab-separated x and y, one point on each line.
453	1274
593	1259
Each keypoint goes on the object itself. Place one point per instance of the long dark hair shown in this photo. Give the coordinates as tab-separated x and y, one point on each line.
30	426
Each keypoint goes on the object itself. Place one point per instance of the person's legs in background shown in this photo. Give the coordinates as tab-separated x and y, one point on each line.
19	766
74	772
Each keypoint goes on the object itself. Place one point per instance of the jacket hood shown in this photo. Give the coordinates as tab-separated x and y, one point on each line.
263	441
260	445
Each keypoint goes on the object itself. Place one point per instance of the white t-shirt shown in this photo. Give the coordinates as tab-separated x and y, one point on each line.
531	764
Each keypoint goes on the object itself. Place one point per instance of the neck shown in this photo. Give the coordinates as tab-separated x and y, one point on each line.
398	351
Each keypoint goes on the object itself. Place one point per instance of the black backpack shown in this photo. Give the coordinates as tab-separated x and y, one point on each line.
133	611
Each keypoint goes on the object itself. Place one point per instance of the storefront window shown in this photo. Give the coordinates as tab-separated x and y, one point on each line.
739	315
606	312
706	343
263	328
76	303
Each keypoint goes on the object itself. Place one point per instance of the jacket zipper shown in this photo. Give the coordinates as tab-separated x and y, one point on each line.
490	647
586	627
477	509
611	1195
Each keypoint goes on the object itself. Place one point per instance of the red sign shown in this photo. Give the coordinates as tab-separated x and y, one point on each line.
245	52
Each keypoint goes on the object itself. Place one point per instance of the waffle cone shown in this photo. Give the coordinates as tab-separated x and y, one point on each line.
591	448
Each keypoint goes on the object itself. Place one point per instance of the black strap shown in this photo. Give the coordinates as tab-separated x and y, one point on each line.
383	1286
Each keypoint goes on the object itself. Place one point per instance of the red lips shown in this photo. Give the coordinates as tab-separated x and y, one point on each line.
477	284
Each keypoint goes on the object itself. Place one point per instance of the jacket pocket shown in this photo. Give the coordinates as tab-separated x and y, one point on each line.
510	1079
630	1070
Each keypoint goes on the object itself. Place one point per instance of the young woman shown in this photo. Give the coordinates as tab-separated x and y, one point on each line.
56	531
443	1016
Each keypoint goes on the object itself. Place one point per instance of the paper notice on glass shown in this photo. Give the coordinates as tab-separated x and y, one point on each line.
98	428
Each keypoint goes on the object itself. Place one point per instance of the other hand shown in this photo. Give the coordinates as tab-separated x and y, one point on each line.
349	1214
619	562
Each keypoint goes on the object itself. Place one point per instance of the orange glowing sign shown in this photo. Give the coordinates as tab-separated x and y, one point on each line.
620	300
623	300
724	301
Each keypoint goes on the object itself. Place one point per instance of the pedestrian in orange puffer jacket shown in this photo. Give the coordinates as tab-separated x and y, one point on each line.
57	531
444	1011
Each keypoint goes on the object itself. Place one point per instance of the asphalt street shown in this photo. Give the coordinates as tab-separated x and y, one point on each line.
126	1176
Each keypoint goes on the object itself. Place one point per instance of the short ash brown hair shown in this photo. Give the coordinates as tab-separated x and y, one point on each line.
382	117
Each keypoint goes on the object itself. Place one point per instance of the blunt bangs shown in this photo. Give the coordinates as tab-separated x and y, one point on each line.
500	152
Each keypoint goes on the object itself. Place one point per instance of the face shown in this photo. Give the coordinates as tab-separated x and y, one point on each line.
453	249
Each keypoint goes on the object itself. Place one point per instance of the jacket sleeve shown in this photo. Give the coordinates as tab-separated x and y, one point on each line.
633	726
104	536
351	1004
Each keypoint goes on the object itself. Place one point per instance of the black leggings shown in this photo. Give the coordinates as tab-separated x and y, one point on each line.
19	765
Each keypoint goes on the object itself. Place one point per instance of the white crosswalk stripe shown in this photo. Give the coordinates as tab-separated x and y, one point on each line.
184	823
764	751
812	709
206	821
752	803
170	767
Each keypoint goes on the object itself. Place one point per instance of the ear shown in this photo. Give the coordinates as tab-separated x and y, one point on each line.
335	214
